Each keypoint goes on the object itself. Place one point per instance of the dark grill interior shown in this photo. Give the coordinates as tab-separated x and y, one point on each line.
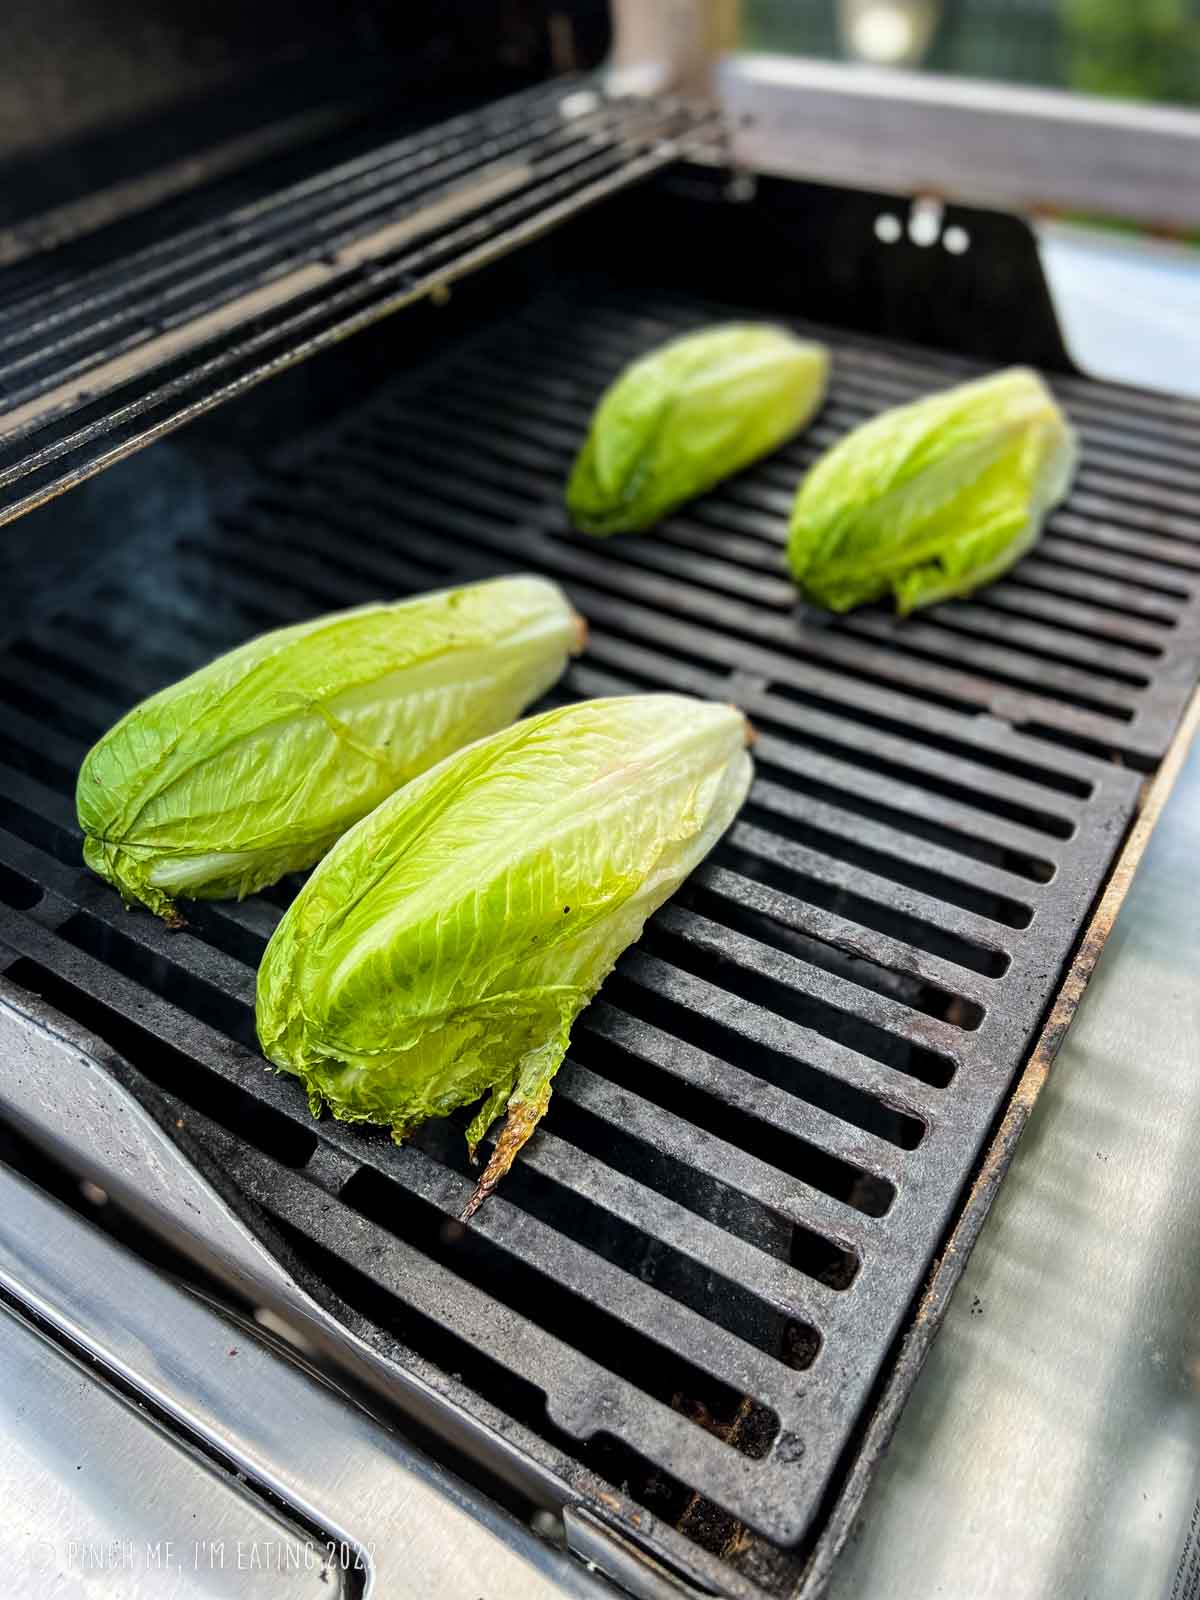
691	1278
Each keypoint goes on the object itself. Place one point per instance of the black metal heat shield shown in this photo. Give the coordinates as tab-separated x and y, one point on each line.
816	249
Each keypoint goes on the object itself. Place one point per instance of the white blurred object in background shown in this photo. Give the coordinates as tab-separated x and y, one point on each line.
887	33
1129	307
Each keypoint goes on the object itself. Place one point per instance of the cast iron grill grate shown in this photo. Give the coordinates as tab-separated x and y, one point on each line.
105	349
700	1262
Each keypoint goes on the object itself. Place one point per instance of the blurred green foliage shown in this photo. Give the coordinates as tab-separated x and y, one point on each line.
1140	49
1135	49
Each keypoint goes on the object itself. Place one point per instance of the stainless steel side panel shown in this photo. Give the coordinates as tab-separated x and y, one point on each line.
1051	1448
420	1534
98	1501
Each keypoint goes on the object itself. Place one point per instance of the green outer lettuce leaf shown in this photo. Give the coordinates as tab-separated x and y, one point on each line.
253	766
687	415
932	499
440	953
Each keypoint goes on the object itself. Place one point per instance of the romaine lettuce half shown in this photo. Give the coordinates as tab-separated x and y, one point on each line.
253	766
687	415
932	499
440	953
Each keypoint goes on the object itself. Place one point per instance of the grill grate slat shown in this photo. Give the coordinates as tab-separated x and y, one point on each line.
791	974
617	612
455	1305
729	1085
840	933
663	980
993	625
624	1115
768	1115
1085	707
894	370
913	807
1013	599
902	855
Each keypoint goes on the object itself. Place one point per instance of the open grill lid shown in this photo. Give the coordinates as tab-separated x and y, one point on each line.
109	343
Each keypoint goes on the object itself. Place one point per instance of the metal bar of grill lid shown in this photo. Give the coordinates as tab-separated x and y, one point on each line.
97	363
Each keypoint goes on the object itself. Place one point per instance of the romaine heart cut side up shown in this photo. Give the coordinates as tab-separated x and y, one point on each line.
689	414
932	500
254	765
441	952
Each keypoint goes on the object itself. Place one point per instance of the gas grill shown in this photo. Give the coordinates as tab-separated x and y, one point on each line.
689	1313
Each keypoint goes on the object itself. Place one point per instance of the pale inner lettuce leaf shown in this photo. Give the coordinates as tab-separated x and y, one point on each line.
442	950
687	415
254	765
179	874
932	499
